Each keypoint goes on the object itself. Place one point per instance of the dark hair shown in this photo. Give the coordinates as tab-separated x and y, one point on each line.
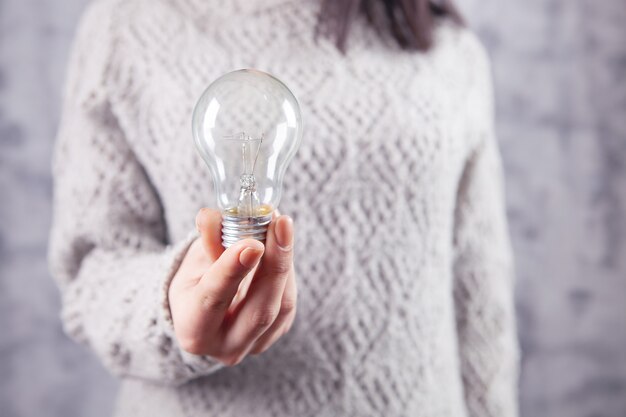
411	22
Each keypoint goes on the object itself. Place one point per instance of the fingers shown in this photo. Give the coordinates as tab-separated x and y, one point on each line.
219	284
209	224
262	304
266	311
283	322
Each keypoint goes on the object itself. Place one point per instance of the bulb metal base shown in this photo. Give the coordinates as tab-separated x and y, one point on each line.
236	228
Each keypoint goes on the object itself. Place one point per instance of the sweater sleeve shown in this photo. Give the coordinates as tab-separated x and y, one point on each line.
484	267
108	251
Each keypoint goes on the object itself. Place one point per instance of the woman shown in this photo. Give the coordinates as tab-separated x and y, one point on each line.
402	259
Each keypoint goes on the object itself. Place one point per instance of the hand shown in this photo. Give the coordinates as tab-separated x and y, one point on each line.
228	303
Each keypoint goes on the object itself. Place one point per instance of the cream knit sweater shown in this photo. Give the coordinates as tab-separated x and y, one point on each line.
402	253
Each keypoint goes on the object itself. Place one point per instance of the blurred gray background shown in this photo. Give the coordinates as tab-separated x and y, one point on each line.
560	72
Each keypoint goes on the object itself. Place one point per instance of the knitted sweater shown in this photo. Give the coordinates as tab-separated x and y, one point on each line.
402	254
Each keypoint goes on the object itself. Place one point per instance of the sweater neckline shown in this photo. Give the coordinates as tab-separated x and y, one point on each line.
230	7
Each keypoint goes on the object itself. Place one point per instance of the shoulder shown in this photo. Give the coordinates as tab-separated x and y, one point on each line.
464	47
96	32
91	52
461	60
477	61
99	38
107	18
466	66
467	58
98	18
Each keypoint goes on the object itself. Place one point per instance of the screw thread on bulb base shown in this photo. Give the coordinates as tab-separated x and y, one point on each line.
235	228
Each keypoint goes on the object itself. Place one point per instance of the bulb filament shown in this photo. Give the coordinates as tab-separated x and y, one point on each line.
248	202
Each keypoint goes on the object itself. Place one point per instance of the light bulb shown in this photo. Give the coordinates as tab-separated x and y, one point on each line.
247	127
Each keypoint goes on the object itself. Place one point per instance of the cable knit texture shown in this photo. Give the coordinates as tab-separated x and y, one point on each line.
403	259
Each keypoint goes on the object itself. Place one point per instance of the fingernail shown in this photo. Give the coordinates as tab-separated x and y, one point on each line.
284	232
249	257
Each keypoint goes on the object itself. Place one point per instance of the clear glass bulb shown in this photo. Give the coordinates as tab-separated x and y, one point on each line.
247	127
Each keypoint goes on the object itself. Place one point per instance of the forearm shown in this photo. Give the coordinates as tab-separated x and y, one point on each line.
117	305
487	335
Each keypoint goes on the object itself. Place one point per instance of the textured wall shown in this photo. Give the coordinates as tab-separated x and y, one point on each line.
42	372
560	69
